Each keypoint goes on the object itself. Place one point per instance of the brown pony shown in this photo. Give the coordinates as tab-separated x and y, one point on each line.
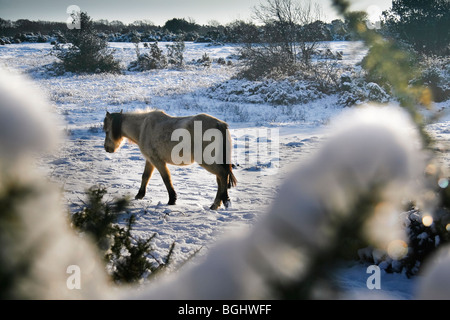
153	133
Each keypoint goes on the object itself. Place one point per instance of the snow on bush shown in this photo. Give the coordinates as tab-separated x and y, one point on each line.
356	91
87	52
154	59
274	92
306	86
435	284
25	122
423	240
38	246
436	76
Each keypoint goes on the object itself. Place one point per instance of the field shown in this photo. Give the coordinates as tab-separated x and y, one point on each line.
81	102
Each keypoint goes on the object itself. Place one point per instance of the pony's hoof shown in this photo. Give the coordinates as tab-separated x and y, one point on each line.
171	202
214	207
227	204
139	196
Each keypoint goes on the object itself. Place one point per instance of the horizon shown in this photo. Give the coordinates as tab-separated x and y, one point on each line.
203	12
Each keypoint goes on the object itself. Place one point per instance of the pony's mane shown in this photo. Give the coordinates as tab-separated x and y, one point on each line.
116	118
116	125
146	110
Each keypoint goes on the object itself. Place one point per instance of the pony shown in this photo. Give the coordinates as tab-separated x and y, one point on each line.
153	132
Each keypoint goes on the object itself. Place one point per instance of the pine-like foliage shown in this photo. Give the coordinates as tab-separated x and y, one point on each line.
175	53
153	59
423	24
128	258
97	218
87	52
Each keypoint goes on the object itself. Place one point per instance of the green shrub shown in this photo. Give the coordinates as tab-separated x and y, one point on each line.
155	59
87	52
175	53
128	259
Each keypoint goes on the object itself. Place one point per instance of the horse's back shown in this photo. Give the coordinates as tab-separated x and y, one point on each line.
209	121
157	132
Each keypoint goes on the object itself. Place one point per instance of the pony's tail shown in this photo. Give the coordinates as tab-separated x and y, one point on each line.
232	181
227	147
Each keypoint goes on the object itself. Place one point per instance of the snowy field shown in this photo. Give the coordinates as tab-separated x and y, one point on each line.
81	102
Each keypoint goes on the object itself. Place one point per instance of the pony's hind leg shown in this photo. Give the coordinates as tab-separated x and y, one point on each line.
165	174
145	178
222	193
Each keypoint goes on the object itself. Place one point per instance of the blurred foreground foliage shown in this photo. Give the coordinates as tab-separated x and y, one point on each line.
129	259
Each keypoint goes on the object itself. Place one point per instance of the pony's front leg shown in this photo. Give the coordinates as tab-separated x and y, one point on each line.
145	178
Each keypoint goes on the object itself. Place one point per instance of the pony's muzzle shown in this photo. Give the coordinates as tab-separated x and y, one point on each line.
109	149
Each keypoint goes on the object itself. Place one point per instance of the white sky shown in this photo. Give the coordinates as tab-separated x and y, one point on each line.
156	11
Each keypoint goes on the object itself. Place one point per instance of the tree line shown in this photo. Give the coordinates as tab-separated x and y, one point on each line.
421	24
238	31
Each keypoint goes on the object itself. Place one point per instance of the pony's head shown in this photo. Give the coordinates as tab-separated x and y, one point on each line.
112	125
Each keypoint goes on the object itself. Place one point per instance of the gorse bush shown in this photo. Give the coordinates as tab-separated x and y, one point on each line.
175	53
265	62
154	59
87	52
97	218
128	258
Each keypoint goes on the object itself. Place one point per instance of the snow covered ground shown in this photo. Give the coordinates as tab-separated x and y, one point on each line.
81	101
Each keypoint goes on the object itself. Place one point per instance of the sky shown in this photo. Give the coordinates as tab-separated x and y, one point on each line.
157	11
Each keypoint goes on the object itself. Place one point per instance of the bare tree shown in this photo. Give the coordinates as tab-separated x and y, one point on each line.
287	38
287	22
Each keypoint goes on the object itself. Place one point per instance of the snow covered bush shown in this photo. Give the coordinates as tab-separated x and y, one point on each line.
87	52
265	62
354	90
275	92
175	53
154	59
436	76
425	235
127	258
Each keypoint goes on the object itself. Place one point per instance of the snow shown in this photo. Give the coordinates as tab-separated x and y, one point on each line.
81	101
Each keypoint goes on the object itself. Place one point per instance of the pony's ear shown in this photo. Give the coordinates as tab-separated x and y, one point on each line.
121	111
108	114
